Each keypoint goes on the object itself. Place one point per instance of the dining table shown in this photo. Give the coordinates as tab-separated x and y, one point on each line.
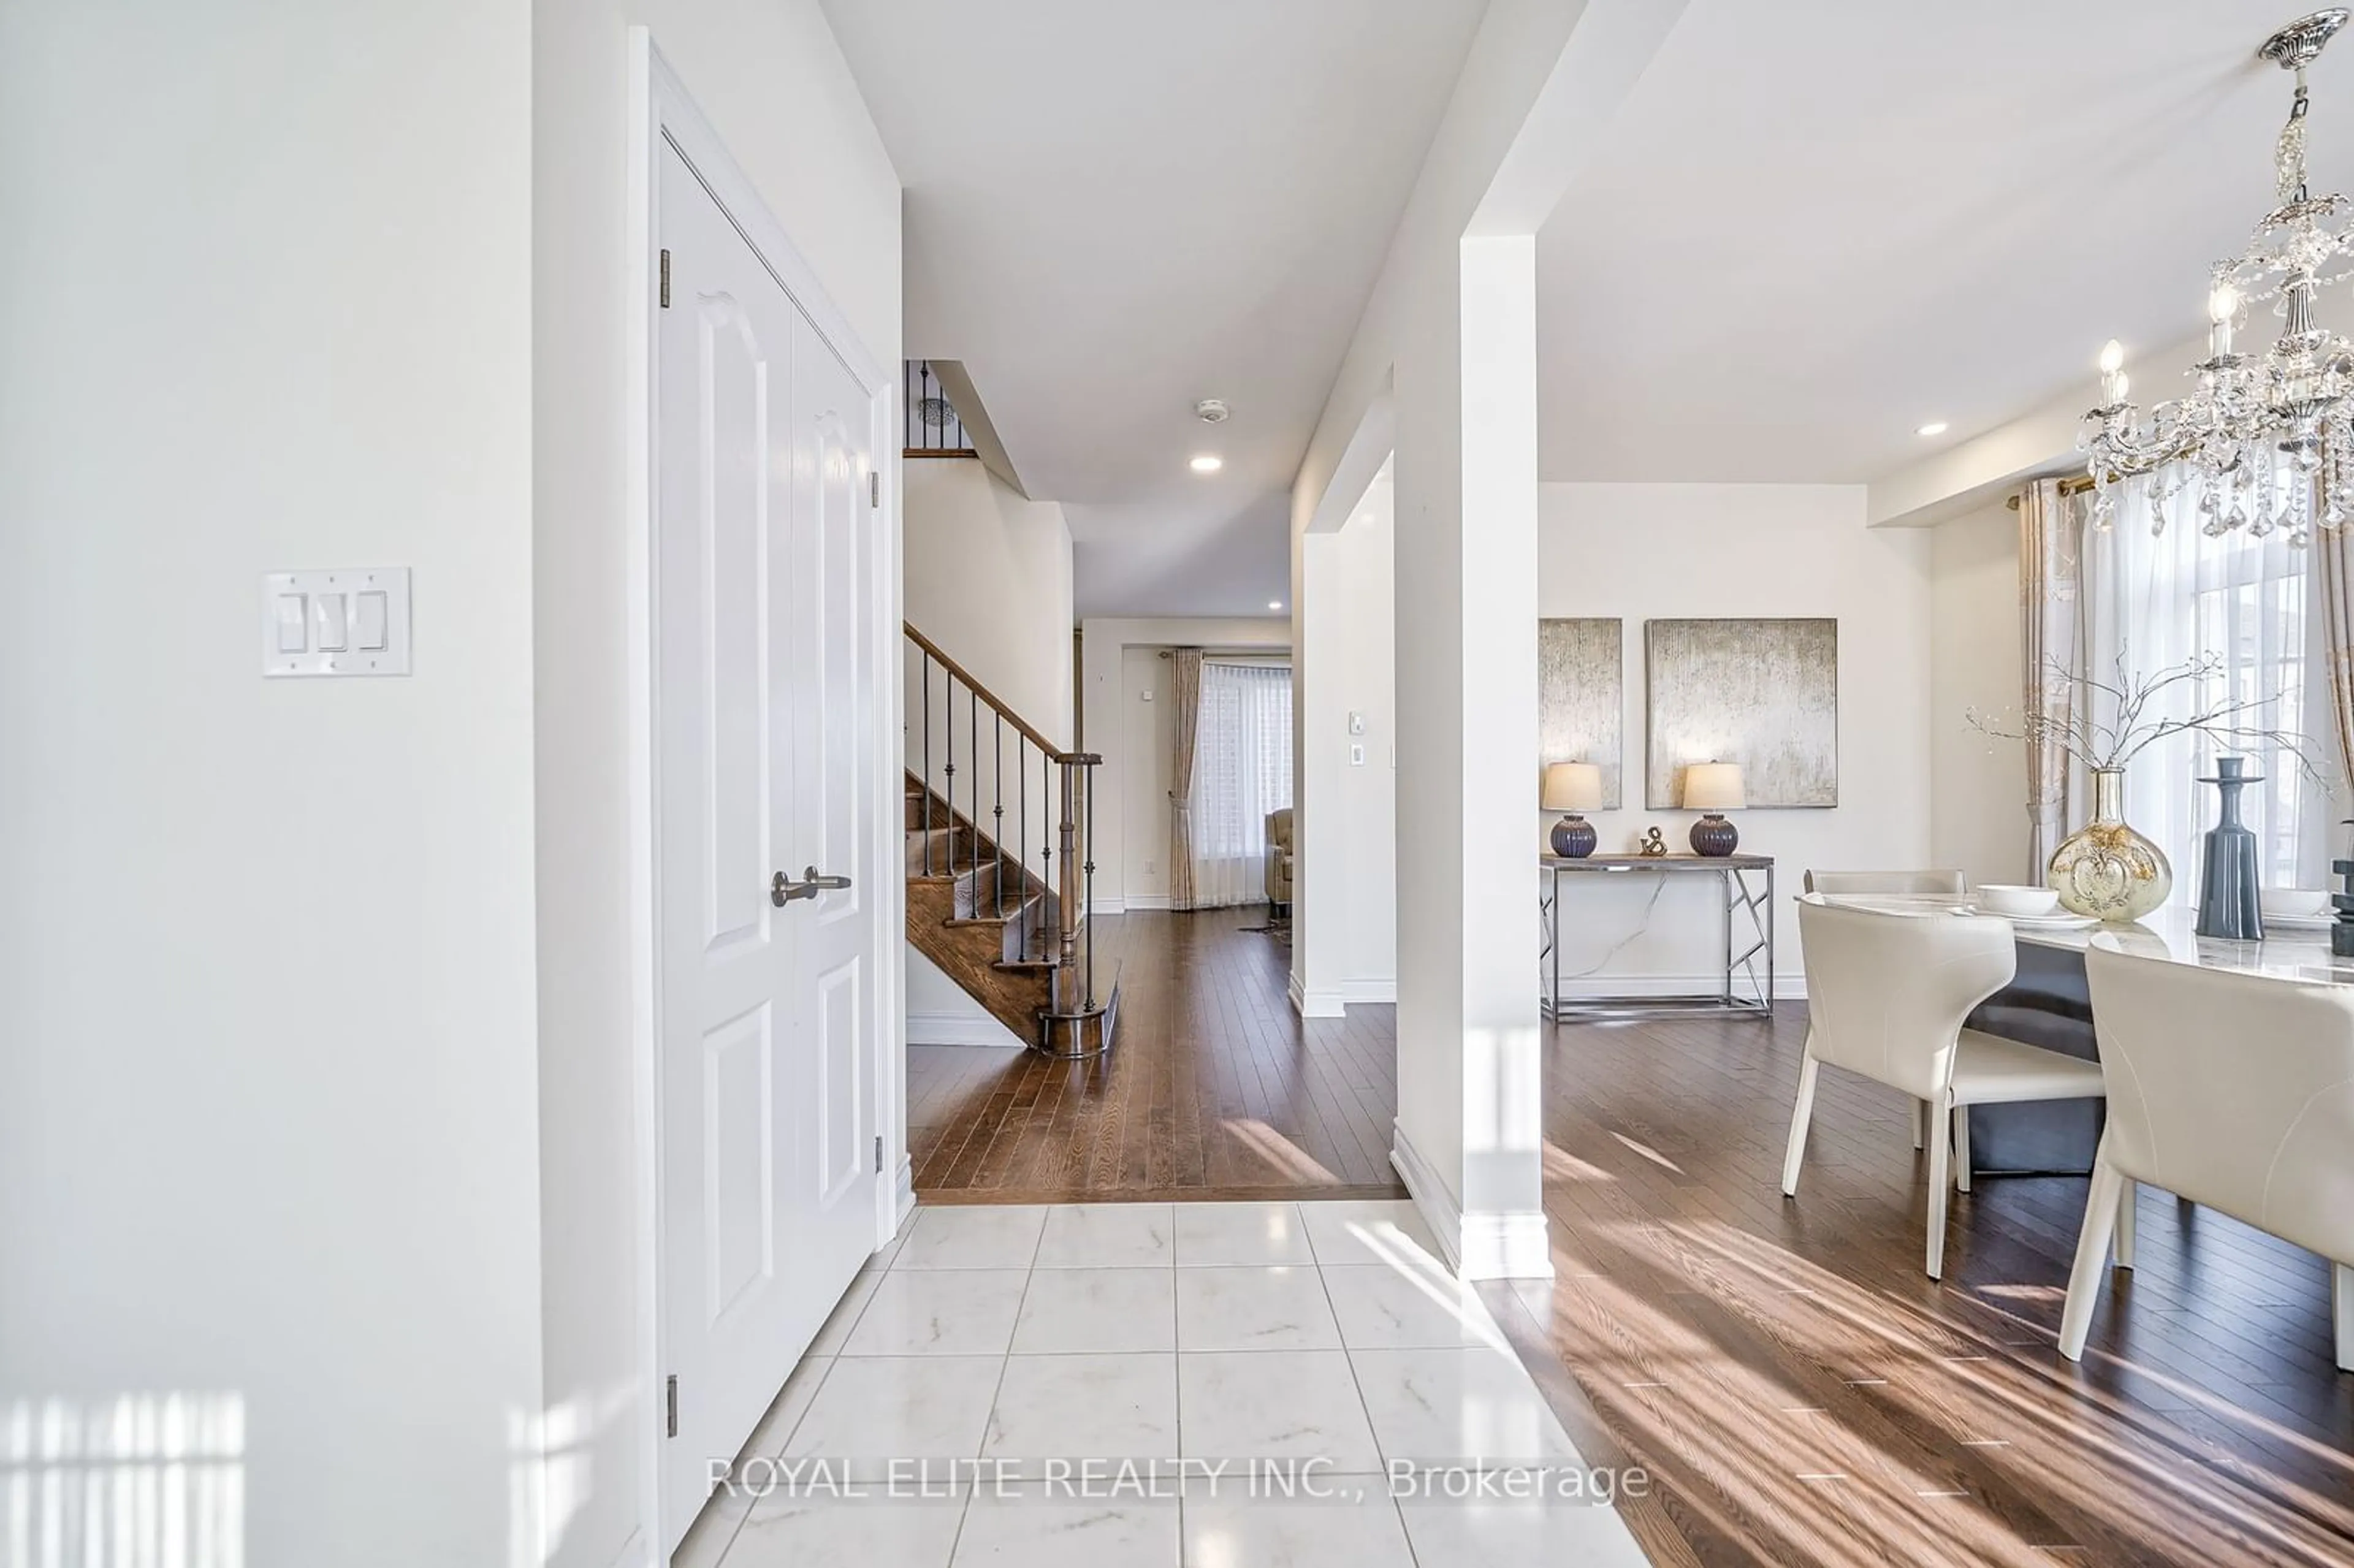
2048	1003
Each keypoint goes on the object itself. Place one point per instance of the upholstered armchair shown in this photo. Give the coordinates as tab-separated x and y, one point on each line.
1279	860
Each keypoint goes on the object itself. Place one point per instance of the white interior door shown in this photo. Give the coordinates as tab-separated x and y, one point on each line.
834	833
761	698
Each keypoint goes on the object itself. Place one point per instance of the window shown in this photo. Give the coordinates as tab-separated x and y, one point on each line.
2169	598
1242	771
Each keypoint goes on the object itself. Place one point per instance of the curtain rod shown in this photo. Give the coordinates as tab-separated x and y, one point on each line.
2076	486
1237	651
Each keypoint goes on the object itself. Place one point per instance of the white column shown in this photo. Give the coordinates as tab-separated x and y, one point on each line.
1469	1129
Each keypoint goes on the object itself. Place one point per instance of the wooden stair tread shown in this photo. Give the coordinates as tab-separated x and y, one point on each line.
991	918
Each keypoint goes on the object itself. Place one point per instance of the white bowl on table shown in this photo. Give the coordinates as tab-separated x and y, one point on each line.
2293	903
2010	898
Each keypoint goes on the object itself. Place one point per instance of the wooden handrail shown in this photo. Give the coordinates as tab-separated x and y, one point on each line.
996	703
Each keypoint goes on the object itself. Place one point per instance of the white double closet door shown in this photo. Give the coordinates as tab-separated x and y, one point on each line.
765	765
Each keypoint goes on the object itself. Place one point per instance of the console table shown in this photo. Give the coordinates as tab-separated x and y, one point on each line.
1748	933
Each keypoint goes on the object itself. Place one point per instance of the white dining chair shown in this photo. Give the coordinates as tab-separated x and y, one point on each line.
1886	994
1903	885
2232	1090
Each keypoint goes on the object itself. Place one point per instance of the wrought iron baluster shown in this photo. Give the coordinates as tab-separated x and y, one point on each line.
997	811
1046	850
926	678
1021	792
975	729
947	785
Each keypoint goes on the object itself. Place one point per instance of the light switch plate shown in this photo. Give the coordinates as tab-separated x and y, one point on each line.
338	590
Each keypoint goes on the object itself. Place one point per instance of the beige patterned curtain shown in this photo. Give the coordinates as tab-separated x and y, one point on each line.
2333	553
1185	666
2050	604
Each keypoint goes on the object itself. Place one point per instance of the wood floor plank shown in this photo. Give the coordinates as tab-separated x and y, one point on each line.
1214	1085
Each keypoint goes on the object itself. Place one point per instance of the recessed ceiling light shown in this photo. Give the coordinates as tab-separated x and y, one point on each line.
1934	428
1206	463
1274	604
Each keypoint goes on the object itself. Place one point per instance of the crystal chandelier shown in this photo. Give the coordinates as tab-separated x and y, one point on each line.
2266	439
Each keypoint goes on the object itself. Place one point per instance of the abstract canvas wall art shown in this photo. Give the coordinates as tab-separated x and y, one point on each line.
1582	696
1764	693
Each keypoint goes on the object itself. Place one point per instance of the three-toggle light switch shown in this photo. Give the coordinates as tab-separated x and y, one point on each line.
343	622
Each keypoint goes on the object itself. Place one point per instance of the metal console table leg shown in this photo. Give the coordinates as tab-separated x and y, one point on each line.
1742	988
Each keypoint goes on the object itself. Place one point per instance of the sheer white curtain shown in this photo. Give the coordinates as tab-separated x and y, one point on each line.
1242	770
2160	600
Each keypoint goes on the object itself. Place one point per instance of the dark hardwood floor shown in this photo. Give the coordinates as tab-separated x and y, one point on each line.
1796	1390
1807	1396
1215	1089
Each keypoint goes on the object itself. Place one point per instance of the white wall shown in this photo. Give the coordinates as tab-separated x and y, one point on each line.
1368	688
1131	827
770	77
1651	551
942	1013
1344	916
1146	715
1979	784
988	580
268	1138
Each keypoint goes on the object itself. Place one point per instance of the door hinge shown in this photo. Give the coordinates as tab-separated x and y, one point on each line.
874	487
878	1154
670	1406
665	280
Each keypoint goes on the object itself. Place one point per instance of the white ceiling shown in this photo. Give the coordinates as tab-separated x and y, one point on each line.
1114	209
1817	224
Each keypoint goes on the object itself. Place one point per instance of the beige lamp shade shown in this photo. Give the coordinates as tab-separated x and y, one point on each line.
1714	786
1572	787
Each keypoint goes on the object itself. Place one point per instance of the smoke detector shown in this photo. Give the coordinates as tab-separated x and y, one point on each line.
1211	410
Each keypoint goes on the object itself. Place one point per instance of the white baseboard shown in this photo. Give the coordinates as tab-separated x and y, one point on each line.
1786	987
960	1029
1315	1003
1335	1002
1148	901
1477	1246
1107	905
902	1194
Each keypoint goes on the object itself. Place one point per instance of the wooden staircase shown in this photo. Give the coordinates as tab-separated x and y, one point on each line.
1002	908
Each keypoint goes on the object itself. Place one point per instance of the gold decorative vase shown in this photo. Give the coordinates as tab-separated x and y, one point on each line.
2104	869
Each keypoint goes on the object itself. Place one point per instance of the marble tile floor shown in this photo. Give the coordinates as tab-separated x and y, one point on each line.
1189	1385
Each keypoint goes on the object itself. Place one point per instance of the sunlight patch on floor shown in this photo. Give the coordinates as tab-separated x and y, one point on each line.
1281	1155
1649	1153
